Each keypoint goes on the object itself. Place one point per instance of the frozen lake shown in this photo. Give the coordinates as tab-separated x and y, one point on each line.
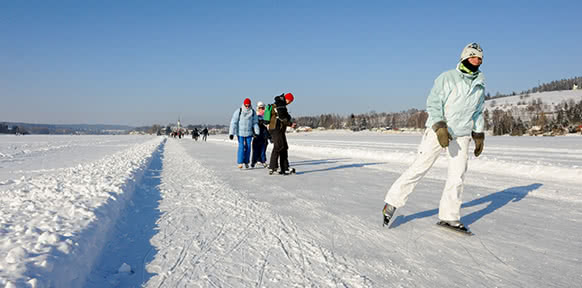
179	213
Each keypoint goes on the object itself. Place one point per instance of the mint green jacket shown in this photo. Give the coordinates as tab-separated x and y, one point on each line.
458	99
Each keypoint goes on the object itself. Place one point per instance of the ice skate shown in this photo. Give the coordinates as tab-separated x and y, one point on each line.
388	212
455	225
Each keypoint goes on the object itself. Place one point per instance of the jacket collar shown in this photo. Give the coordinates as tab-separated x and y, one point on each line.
477	78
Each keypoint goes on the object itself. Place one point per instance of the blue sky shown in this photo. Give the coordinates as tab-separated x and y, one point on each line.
148	62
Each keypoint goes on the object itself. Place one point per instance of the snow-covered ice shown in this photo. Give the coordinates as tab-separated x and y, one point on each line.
127	211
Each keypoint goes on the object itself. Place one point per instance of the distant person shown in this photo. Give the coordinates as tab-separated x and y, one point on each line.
244	124
195	134
260	141
204	134
279	121
455	107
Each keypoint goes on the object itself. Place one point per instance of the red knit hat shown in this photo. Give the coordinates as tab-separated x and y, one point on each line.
289	97
247	101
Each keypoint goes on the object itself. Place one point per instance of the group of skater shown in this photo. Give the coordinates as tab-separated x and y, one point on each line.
196	134
455	117
177	134
255	129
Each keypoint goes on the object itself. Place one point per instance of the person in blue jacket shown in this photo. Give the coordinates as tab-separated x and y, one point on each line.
455	116
244	124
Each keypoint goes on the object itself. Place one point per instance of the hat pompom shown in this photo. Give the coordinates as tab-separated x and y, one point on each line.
289	97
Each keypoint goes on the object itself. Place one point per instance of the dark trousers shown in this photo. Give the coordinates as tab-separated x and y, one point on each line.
259	147
280	149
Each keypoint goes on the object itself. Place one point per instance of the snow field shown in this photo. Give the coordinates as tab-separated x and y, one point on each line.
338	200
53	225
33	155
144	211
523	225
19	146
213	235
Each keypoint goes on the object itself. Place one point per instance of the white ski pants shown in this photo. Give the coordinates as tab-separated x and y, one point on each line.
428	152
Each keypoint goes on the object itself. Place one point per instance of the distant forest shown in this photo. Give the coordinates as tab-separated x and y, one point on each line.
536	119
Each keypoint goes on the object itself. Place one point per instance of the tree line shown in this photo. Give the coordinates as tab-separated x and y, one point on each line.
557	85
536	118
15	129
412	118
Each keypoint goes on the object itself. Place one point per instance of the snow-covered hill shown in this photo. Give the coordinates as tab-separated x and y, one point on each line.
551	99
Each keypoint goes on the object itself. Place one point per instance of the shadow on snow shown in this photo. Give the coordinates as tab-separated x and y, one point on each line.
130	242
354	165
316	162
496	200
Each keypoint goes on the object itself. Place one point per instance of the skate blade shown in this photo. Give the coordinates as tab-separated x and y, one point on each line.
454	229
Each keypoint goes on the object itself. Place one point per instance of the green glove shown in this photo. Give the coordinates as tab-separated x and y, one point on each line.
440	128
479	138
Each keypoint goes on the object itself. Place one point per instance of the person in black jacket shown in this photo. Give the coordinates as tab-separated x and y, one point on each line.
204	134
195	134
280	119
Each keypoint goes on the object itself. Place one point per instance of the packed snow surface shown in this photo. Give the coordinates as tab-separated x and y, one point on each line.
130	211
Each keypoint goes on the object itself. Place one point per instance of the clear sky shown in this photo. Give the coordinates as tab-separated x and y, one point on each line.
148	62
